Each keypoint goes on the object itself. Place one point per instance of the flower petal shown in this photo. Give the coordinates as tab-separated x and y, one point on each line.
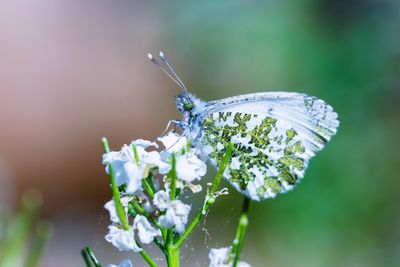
123	263
189	167
161	200
110	206
219	257
146	231
144	143
176	216
135	176
123	240
153	159
173	142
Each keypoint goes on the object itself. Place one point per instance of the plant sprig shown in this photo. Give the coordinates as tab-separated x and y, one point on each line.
171	241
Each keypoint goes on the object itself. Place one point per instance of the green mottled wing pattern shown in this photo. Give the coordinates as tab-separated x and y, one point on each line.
271	149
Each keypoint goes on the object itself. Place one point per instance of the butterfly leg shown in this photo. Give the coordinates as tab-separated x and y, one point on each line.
165	132
175	122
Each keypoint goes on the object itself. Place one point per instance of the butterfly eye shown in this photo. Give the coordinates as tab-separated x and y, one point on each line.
188	106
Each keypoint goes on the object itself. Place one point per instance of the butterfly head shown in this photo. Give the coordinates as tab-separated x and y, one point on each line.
191	107
185	102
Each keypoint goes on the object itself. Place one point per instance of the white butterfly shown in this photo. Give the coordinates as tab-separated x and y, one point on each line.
274	134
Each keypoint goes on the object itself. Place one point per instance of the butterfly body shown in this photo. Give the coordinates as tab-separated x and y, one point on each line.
194	113
274	136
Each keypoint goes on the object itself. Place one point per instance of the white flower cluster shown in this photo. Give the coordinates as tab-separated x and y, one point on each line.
135	164
219	257
176	213
124	263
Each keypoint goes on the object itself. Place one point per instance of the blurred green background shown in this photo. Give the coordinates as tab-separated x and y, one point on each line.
75	71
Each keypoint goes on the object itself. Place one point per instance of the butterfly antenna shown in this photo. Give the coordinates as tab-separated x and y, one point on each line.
165	60
155	62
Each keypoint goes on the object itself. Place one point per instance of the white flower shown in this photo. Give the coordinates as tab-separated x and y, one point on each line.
149	159
176	216
189	167
144	143
153	159
110	206
132	164
146	232
125	167
219	258
135	174
173	142
124	263
161	200
123	240
117	159
176	212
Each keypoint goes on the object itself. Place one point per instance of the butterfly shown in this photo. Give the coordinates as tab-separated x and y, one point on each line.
274	134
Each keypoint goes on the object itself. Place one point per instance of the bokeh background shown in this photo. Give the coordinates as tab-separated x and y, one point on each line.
73	71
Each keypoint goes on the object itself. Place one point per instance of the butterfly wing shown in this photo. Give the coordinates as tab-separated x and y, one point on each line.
274	135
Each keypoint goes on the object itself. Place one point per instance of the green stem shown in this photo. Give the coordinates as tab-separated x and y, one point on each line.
148	188
115	191
148	185
159	245
222	168
209	197
240	232
135	154
150	182
172	175
85	257
90	254
147	258
172	256
44	231
16	235
172	253
141	211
